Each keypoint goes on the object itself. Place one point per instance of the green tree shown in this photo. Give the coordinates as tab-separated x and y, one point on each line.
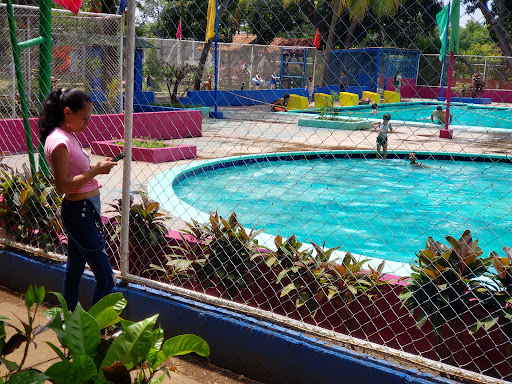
268	19
193	20
473	37
357	11
498	19
413	27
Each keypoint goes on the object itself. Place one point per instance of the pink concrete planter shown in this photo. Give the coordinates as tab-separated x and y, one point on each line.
159	125
150	155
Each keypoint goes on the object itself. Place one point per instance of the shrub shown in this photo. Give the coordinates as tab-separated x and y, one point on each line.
28	210
85	355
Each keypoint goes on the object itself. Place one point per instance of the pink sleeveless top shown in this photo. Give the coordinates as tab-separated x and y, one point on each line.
79	161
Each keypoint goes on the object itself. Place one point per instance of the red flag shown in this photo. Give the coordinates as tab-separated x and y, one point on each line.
316	42
71	5
178	32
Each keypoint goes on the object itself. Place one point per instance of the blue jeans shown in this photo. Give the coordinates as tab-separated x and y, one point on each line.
82	223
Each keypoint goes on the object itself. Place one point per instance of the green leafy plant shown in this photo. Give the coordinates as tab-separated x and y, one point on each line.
33	297
496	299
88	357
147	229
28	209
313	277
442	286
496	295
218	253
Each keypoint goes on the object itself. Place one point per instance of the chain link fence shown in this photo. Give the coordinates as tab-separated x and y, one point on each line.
294	215
86	52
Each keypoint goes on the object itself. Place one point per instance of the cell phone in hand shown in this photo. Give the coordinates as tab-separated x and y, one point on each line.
119	157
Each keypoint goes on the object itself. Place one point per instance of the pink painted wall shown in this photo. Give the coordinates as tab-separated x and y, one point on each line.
409	90
497	95
12	135
158	125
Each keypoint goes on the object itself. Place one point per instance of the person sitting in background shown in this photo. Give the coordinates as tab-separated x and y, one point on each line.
257	80
280	104
364	101
478	84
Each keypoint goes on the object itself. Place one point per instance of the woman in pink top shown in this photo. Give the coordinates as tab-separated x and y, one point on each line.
65	114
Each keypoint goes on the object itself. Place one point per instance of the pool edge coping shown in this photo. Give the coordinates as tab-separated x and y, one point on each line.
187	212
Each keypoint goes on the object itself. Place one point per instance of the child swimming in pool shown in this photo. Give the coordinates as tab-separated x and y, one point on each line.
413	161
383	128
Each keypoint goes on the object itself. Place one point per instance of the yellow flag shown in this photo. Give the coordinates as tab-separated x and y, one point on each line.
210	20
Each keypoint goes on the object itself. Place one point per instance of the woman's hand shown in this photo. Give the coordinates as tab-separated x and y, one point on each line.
103	167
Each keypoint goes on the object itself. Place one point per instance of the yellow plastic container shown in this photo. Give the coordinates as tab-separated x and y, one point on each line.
297	102
347	99
323	100
374	97
391	97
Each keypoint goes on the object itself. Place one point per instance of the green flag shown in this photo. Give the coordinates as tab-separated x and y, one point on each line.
442	24
454	21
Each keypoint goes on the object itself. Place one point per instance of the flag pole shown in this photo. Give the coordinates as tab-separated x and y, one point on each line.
216	55
444	58
449	91
216	114
454	17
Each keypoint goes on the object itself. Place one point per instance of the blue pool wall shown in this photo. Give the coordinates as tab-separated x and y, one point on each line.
255	97
256	348
368	154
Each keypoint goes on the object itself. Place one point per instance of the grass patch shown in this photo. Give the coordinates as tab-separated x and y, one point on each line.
147	142
174	105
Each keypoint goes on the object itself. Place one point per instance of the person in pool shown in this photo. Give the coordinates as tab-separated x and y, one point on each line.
413	161
383	128
375	108
440	114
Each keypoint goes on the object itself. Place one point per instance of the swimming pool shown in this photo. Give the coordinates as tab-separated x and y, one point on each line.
463	114
383	209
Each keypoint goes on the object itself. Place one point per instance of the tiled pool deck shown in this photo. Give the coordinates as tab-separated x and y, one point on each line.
254	130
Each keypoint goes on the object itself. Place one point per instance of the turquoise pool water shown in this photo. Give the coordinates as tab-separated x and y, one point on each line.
385	209
465	115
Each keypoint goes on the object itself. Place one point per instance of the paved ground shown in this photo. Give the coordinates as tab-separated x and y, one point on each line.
188	369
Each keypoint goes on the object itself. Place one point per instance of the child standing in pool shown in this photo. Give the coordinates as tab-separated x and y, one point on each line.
383	128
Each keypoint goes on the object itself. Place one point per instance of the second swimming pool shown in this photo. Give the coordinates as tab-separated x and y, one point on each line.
384	209
466	115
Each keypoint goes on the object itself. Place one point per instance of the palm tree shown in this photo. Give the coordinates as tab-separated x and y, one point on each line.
356	10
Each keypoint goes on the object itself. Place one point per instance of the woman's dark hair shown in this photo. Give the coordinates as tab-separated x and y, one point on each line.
52	114
386	116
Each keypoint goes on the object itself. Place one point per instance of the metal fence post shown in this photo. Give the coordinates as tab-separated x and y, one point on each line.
128	127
